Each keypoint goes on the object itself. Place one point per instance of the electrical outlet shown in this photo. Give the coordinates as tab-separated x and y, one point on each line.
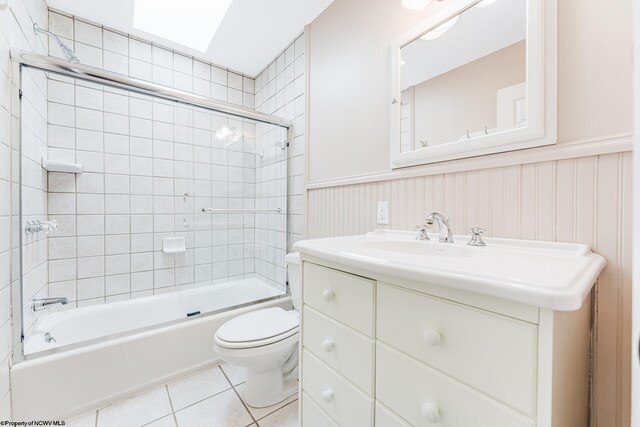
383	213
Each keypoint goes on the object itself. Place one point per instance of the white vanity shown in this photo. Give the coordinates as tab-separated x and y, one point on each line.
399	332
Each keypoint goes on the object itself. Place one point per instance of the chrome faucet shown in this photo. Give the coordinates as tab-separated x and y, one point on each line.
446	235
41	304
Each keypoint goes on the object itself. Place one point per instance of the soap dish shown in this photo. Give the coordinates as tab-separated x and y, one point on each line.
174	245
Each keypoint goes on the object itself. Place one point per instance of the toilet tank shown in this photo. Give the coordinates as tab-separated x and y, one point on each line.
295	280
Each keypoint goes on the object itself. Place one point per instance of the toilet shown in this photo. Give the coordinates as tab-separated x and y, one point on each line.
265	343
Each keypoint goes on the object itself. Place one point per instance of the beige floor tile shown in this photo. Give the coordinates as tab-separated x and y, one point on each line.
194	388
167	421
259	413
284	417
223	410
236	374
85	420
137	410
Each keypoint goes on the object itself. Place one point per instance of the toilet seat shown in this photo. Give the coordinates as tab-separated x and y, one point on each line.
258	328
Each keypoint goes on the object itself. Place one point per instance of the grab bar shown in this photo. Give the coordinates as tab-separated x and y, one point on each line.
218	211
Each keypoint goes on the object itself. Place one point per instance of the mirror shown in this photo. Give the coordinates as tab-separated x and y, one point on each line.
467	82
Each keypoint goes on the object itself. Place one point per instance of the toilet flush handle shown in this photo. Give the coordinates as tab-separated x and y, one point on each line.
328	295
328	345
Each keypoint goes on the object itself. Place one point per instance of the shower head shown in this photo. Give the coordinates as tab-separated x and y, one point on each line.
66	50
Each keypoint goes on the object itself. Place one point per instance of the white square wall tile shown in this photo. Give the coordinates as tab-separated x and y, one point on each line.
234	81
90	287
88	34
140	69
183	64
162	57
219	76
61	25
201	70
91	245
115	42
90	55
90	225
89	98
116	63
140	50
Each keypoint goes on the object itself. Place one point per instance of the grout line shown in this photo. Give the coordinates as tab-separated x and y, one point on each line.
245	405
238	394
173	411
280	408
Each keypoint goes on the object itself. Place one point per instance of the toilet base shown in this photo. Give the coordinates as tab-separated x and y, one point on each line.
268	388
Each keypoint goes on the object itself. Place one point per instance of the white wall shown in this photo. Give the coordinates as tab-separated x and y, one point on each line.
350	93
523	195
16	25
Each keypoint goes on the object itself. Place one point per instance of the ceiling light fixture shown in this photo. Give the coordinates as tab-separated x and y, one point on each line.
441	29
191	23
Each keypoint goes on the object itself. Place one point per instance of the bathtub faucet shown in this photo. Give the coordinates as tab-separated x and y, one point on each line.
41	304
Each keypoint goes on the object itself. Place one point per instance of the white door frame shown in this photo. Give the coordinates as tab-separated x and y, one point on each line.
635	327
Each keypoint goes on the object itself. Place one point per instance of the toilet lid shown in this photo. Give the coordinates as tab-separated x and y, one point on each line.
257	325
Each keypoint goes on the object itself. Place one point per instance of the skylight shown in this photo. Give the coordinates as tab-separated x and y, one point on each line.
191	23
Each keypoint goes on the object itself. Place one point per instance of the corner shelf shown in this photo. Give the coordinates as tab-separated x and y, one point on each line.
57	166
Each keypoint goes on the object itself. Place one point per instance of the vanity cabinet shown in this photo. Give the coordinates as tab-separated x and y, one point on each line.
388	352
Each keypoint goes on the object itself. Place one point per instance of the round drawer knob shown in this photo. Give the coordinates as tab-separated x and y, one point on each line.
433	338
328	345
430	412
327	396
328	295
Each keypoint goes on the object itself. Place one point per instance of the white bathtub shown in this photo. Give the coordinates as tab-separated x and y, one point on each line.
117	364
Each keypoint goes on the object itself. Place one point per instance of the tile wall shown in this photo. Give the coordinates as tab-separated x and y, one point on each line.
140	157
16	23
280	90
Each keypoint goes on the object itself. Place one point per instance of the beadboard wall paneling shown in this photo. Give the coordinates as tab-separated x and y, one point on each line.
585	200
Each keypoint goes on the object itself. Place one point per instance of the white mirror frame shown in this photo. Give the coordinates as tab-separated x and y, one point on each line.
541	128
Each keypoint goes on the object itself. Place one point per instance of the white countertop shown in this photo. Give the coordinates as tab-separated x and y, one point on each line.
550	275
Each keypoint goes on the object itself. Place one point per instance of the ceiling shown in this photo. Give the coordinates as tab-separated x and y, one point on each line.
480	32
252	33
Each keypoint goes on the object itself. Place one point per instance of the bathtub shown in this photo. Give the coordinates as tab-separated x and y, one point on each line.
108	352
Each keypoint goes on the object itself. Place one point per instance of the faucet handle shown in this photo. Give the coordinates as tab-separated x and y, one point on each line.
422	229
476	236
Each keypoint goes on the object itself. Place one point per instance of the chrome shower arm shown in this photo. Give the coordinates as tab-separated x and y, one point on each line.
66	50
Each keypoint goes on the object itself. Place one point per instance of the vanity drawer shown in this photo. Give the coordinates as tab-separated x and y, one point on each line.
423	396
347	405
384	418
342	296
313	416
491	353
345	350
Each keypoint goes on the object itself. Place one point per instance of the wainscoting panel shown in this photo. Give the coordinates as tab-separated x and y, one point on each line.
586	200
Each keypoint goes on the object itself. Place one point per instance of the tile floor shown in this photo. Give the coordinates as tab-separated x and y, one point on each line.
208	398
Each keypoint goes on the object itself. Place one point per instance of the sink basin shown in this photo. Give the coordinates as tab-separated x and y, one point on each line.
552	275
419	248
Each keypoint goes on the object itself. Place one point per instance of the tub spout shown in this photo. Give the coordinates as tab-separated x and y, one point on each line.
41	304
